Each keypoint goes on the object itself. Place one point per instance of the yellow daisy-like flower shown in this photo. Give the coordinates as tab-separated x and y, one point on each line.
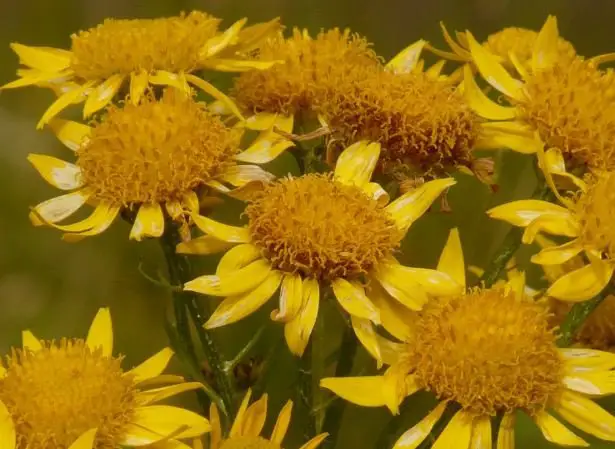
489	351
313	231
563	107
246	429
586	219
137	53
140	158
74	394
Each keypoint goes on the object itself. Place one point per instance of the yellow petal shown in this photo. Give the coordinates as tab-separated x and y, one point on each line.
297	331
72	134
267	146
410	206
405	61
490	140
365	332
62	102
366	391
412	438
237	426
210	89
523	212
586	415
255	417
100	223
404	289
545	52
235	308
138	83
580	360
315	442
226	233
555	164
164	420
435	71
57	209
216	44
457	433
100	335
593	383
554	224
58	173
506	432
158	394
30	342
237	258
557	255
239	65
480	102
176	80
85	440
451	259
152	367
582	284
351	296
240	175
235	283
251	37
215	436
458	49
481	433
102	95
291	298
281	424
100	215
493	72
148	223
396	319
434	282
45	59
357	163
261	121
203	245
377	193
8	437
555	432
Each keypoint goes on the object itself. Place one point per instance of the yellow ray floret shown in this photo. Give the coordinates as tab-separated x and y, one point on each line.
73	393
488	352
248	425
126	56
316	230
143	158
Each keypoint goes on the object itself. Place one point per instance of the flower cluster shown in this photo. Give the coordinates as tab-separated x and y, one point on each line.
378	144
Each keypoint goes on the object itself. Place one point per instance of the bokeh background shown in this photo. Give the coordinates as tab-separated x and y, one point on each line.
55	288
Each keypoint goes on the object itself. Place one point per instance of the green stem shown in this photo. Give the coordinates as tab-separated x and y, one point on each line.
577	316
306	392
231	364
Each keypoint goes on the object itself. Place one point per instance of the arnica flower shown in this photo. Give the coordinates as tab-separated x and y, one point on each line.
246	429
74	394
586	219
137	53
489	351
318	230
565	108
141	158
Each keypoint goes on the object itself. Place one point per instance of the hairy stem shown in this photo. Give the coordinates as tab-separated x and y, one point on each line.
577	316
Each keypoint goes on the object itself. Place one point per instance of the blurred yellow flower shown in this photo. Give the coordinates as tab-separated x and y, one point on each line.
73	394
140	158
488	351
126	56
587	219
308	232
248	425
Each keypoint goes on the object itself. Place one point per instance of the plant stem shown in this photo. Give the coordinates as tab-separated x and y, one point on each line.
243	352
577	316
306	391
185	305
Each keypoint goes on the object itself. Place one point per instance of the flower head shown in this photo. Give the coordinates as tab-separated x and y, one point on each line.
125	56
141	157
488	351
313	231
246	429
73	393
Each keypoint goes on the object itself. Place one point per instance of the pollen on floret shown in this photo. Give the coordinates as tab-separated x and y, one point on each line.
488	352
320	228
595	210
155	151
289	87
424	125
248	443
123	46
59	392
573	110
598	330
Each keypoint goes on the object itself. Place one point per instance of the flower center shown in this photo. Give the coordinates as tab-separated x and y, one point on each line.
424	125
288	88
56	394
156	151
124	46
572	107
488	352
248	443
321	228
596	212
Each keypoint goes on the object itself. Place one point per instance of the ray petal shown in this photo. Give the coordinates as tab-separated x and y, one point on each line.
57	209
366	391
586	415
405	61
237	427
100	334
62	102
396	319
218	43
593	383
480	103
45	59
366	333
102	95
297	331
210	89
30	342
152	367
205	244
583	359
237	257
413	437
582	284
164	420
481	433
234	283
147	397
457	433
101	224
523	212
255	417
291	298
138	83
451	259
556	255
351	296
226	233
149	222
72	134
165	78
545	53
267	146
60	174
356	163
403	288
85	440
506	432
8	437
282	423
240	175
315	442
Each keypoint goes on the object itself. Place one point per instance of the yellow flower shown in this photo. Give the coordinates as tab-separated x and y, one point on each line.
308	232
73	393
489	351
140	158
563	107
586	219
248	425
136	53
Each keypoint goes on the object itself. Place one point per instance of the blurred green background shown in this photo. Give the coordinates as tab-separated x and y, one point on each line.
54	288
